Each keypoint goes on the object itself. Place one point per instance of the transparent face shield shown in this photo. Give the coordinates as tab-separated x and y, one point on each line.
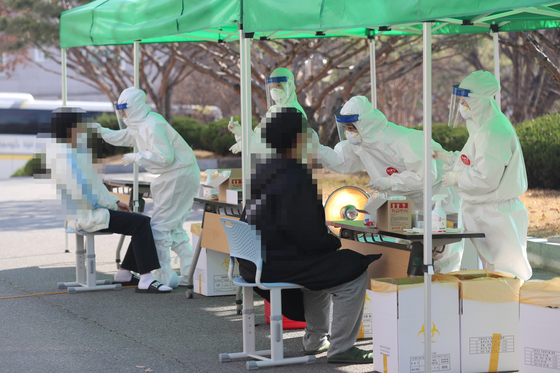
118	108
345	123
459	110
277	91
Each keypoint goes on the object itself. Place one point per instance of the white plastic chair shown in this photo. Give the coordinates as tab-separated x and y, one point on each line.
245	244
85	269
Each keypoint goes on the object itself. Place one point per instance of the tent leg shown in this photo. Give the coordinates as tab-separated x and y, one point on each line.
428	268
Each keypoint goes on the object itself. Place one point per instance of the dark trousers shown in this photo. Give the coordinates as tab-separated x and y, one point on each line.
141	255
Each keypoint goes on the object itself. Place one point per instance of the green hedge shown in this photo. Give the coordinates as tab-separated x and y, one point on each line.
540	141
190	130
452	139
214	137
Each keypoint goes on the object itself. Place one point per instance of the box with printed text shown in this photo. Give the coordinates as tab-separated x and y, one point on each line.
539	326
392	215
398	324
489	321
211	272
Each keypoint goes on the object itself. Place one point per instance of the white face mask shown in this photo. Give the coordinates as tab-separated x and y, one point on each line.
279	95
354	138
466	113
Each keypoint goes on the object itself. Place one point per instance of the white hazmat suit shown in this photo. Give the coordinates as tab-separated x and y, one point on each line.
258	147
489	175
161	150
393	157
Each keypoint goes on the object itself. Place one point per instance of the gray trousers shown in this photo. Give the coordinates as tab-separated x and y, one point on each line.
348	308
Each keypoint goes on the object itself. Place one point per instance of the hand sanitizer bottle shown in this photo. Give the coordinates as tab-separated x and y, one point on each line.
439	217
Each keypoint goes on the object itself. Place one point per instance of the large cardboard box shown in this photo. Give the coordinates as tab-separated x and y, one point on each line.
393	262
392	215
398	324
489	321
214	237
539	327
211	272
365	328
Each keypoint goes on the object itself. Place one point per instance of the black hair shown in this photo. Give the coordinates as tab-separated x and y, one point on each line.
62	121
281	129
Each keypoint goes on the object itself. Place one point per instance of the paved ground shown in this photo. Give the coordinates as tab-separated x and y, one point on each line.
109	331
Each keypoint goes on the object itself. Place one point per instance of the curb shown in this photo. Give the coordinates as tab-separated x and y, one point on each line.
543	254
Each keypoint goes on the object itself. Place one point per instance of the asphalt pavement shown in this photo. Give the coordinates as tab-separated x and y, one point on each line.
43	329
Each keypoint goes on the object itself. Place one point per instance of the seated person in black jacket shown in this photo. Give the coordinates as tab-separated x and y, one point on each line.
286	209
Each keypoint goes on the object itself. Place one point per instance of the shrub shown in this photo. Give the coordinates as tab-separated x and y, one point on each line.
190	129
218	138
32	166
540	141
452	139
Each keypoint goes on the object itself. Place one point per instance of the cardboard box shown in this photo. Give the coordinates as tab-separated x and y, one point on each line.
210	275
398	324
365	328
539	327
234	196
214	237
223	182
489	321
392	215
393	262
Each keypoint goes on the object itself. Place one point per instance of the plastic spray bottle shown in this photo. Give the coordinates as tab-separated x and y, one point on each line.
439	217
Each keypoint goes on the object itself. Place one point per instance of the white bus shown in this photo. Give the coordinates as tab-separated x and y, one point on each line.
20	119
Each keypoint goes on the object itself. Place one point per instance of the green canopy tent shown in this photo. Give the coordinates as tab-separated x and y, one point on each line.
107	22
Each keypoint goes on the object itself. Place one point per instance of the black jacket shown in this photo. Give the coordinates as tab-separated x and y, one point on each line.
297	246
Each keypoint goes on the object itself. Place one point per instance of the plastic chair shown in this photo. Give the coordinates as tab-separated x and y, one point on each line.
85	269
245	244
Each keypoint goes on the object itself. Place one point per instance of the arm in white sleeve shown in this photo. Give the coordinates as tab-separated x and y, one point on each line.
342	159
160	154
412	179
107	198
118	138
488	166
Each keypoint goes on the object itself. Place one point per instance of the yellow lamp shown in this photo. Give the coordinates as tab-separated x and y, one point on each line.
343	204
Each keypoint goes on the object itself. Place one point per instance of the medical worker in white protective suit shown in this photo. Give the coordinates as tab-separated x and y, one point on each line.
393	157
161	150
280	92
489	175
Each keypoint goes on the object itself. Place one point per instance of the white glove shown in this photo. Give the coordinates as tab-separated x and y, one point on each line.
448	158
236	148
381	184
129	158
235	128
451	178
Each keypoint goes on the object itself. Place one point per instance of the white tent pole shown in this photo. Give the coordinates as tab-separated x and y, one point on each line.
372	72
246	115
136	85
428	269
64	83
497	66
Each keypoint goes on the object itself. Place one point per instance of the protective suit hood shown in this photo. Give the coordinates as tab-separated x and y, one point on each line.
483	87
292	99
137	110
371	124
